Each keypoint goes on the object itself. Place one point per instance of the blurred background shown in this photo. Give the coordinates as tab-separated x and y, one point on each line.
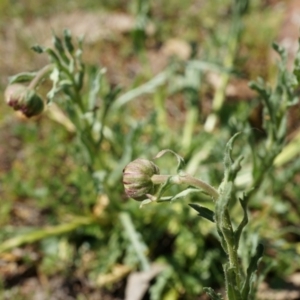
177	57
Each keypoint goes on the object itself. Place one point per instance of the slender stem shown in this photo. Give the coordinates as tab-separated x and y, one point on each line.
39	234
187	179
40	75
188	131
232	247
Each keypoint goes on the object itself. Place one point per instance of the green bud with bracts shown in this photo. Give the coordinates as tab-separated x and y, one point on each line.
137	178
24	99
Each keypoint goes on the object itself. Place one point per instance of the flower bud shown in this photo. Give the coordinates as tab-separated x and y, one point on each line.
137	178
26	100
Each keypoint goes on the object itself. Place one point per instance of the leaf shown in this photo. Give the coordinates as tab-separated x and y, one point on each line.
242	6
228	150
60	48
221	214
212	294
253	265
22	77
204	212
146	88
54	57
145	202
162	281
238	231
68	41
39	234
163	188
55	77
38	49
184	193
231	166
95	86
180	159
281	51
296	70
135	239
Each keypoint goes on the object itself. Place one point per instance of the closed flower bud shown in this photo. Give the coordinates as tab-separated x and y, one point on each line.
26	100
137	178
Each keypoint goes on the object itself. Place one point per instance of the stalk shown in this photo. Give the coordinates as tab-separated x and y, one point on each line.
41	74
37	235
187	179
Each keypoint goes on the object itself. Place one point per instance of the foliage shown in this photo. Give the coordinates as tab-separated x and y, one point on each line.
69	176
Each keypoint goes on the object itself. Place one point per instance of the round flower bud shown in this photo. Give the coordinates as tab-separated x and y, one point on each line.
137	178
13	93
26	100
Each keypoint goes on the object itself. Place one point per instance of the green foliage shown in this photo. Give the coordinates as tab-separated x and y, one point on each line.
72	179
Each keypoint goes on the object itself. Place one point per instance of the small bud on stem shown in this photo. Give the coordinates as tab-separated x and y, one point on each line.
24	99
187	179
141	178
137	178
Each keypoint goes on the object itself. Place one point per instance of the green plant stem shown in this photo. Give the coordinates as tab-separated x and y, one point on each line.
40	234
188	131
187	179
232	248
159	102
288	152
146	88
228	241
41	74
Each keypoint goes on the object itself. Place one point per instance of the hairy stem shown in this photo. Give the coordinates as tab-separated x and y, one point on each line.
187	179
41	74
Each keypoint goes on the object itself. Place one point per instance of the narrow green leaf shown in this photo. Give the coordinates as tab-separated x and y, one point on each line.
253	265
136	240
79	76
164	187
184	194
58	44
242	6
39	234
221	215
296	70
60	48
239	230
204	212
146	88
281	51
228	161
22	77
180	159
38	49
224	198
54	76
95	86
68	41
54	57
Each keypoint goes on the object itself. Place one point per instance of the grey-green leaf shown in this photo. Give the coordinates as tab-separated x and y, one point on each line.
204	212
212	294
252	269
22	77
68	41
38	49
